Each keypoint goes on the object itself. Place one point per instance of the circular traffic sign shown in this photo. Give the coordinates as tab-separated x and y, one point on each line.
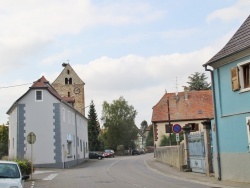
176	128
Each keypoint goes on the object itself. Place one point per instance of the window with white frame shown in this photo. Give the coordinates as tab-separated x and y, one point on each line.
81	145
73	119
69	119
240	76
74	141
39	95
69	149
63	114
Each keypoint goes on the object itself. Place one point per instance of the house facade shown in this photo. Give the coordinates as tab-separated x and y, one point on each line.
183	108
231	85
60	130
140	142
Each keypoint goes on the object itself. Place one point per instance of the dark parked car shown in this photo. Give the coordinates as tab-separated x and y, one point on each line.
108	153
94	155
135	152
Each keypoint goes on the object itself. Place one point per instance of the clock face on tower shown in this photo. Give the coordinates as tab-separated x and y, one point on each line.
77	90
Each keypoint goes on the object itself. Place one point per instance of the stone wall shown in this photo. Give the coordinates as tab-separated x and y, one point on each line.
171	155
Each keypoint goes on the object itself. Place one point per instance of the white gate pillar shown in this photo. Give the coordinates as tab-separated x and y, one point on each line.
207	140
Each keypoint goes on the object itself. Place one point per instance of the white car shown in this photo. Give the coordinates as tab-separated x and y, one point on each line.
10	175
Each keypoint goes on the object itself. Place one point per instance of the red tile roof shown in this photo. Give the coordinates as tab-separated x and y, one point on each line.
42	83
198	105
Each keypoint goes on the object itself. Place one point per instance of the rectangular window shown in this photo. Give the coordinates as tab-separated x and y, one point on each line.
243	71
81	144
69	149
73	119
168	128
63	114
246	76
39	95
194	126
69	117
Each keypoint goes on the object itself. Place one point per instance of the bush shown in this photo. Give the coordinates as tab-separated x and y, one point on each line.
25	166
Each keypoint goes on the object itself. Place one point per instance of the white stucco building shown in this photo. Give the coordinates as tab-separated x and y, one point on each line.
61	131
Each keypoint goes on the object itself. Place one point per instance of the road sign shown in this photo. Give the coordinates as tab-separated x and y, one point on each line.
177	137
31	138
176	128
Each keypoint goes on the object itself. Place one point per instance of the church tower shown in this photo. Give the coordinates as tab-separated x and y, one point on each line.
70	86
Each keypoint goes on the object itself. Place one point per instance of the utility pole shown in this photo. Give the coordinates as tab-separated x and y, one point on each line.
169	124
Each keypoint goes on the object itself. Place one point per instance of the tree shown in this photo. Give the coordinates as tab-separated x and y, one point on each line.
150	138
144	125
4	137
197	81
93	129
119	123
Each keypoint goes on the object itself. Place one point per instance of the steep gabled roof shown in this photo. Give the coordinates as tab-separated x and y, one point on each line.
61	76
197	106
42	83
239	42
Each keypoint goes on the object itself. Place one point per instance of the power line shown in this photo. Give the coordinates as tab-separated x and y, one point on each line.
14	86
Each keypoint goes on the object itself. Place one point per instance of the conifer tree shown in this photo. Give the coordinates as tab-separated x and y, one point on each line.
197	81
93	129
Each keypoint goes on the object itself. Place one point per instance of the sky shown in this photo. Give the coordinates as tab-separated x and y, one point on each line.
137	49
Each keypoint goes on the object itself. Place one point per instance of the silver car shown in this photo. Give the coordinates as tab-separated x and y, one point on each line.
10	175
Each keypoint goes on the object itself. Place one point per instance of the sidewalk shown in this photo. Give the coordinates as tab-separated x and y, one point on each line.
172	172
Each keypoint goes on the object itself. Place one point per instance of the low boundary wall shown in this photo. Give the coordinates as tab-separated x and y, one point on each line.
171	155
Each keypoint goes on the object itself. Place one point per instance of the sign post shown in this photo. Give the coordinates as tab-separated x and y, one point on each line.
31	138
177	130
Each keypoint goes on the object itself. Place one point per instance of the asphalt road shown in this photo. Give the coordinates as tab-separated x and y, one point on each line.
122	172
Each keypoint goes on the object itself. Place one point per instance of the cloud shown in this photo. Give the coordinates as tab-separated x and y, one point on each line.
238	11
30	27
141	81
121	12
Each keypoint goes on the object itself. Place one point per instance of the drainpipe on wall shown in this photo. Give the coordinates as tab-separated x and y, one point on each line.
77	141
216	123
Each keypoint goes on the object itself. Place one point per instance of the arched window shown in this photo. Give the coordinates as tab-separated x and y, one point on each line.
66	81
68	71
70	80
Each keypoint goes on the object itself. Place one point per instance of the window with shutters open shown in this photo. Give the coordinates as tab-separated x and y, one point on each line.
241	76
194	126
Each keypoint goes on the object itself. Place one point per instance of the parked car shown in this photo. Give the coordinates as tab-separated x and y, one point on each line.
95	155
108	153
135	152
10	175
142	151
